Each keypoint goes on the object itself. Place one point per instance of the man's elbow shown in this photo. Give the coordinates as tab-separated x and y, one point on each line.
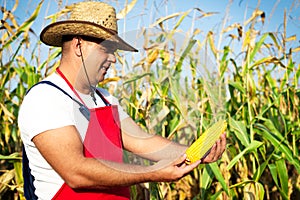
78	182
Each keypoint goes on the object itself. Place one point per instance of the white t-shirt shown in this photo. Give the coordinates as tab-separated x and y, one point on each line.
45	108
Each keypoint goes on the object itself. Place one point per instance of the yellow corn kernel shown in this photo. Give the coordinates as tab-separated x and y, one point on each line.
204	143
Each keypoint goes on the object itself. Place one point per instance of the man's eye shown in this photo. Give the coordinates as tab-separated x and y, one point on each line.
109	50
104	49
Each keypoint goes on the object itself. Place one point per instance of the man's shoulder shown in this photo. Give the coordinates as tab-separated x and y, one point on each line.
47	86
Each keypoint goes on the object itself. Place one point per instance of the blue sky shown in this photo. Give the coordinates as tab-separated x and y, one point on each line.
147	12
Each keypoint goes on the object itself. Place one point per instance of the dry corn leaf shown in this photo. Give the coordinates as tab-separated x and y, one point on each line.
211	42
15	6
292	38
7	113
296	49
126	10
162	19
152	56
254	15
57	15
5	179
160	116
7	26
233	36
107	80
231	27
205	14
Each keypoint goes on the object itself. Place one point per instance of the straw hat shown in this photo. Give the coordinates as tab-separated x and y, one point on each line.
94	19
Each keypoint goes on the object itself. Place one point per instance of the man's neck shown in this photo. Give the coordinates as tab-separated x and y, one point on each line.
75	79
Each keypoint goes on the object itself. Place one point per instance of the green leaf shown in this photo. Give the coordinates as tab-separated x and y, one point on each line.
214	167
283	176
54	55
257	47
277	143
18	172
181	19
274	173
260	190
216	195
238	86
270	80
260	169
252	147
13	156
137	77
224	61
206	178
24	27
183	55
240	131
272	129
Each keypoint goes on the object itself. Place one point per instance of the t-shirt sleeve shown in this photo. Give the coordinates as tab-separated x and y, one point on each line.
45	108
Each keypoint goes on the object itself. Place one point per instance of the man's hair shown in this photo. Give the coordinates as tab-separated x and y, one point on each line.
66	38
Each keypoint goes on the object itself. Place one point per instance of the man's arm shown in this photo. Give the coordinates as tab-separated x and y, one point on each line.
63	150
156	148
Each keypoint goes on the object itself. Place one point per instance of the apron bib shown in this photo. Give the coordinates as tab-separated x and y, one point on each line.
103	141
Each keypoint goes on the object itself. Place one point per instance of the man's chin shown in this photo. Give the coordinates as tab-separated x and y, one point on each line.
100	80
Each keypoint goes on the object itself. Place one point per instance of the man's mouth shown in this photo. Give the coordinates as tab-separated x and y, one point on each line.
105	67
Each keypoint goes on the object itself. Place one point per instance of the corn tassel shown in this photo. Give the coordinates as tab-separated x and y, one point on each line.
203	144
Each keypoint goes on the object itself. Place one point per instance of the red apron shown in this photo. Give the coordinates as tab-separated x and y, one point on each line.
103	141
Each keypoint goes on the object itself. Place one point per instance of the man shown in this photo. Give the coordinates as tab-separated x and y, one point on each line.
71	130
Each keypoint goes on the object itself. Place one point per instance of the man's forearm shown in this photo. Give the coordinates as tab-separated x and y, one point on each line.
100	174
153	147
162	149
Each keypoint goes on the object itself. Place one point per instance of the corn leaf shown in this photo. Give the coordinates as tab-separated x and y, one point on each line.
126	10
162	19
206	177
274	174
211	42
238	86
52	56
278	144
181	19
190	45
240	131
258	46
254	15
135	78
24	27
217	172
283	176
252	147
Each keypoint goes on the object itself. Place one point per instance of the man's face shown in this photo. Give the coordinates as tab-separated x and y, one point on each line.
98	57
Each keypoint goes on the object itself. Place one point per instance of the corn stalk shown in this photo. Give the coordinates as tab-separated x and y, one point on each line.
175	90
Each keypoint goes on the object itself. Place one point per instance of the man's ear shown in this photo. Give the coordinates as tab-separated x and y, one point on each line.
77	45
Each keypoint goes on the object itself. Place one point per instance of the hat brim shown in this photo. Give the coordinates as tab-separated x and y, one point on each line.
52	34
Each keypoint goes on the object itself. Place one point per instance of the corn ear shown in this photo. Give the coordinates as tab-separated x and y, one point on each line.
203	144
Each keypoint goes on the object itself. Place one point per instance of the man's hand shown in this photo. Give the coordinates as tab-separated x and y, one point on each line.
170	170
216	151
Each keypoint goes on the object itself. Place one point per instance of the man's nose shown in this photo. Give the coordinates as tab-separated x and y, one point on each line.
112	58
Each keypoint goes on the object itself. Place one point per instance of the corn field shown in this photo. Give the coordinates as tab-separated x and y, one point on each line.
177	89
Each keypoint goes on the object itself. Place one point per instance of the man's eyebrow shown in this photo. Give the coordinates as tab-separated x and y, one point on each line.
109	45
